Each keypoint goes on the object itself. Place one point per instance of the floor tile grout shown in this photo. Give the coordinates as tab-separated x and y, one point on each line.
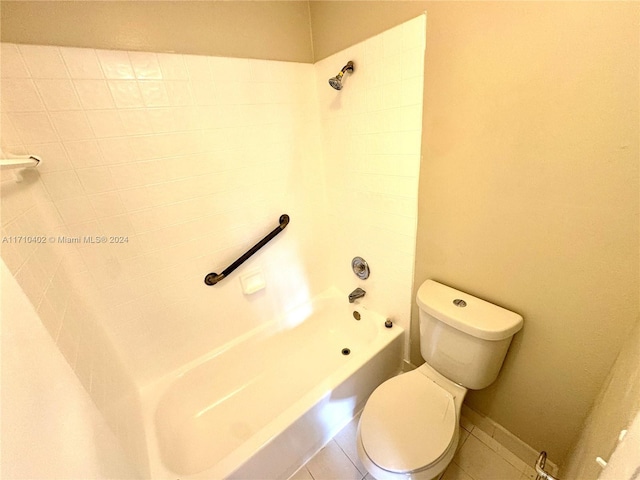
493	448
352	462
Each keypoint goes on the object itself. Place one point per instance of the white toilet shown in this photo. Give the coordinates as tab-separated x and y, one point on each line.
409	427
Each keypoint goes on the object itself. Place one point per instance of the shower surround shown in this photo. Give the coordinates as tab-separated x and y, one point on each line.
183	162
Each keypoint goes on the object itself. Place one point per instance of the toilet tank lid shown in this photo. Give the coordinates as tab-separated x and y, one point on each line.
477	317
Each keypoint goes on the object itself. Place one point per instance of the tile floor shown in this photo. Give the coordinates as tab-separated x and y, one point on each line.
479	457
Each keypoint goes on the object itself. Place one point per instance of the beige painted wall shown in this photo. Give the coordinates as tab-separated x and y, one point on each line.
336	25
528	194
247	29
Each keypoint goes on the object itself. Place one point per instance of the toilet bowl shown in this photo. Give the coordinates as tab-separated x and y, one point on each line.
410	428
410	425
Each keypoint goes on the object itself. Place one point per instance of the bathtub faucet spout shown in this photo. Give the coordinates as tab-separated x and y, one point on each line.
357	293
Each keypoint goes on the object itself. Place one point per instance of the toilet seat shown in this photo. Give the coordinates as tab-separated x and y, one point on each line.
408	423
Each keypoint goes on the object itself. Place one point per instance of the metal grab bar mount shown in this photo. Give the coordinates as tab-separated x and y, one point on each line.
213	278
540	471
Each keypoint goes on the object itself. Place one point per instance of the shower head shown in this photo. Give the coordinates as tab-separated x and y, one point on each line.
336	82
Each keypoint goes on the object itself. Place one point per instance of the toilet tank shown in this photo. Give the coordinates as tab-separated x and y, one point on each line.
463	337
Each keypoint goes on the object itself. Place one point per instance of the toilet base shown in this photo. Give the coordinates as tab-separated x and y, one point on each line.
429	473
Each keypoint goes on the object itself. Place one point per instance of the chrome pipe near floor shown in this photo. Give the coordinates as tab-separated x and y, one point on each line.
540	472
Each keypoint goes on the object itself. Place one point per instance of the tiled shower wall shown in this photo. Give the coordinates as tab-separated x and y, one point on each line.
190	160
186	161
371	149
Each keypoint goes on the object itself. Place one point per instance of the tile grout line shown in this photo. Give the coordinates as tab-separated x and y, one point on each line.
498	448
453	460
347	455
309	472
463	470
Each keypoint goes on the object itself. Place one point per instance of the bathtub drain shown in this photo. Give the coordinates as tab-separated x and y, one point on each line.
346	351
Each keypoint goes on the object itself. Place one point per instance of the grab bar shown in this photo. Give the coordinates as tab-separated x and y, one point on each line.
213	278
540	471
21	161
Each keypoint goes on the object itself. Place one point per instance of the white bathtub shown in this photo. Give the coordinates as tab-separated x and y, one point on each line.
263	406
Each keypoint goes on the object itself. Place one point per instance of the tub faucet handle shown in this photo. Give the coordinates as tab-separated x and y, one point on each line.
357	293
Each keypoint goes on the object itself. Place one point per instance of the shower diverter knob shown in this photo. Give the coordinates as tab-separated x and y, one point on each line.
360	268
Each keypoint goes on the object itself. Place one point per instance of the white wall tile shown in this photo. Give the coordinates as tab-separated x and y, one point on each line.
178	93
107	204
61	185
116	225
84	153
126	93
135	198
412	62
391	96
105	123
135	121
30	284
81	62
71	125
146	147
58	94
411	91
20	95
73	210
43	62
9	134
33	127
94	94
115	150
11	63
145	65
115	64
197	67
154	93
172	67
204	92
96	179
242	69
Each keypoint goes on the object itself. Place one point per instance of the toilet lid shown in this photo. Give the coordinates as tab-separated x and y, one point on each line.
408	423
